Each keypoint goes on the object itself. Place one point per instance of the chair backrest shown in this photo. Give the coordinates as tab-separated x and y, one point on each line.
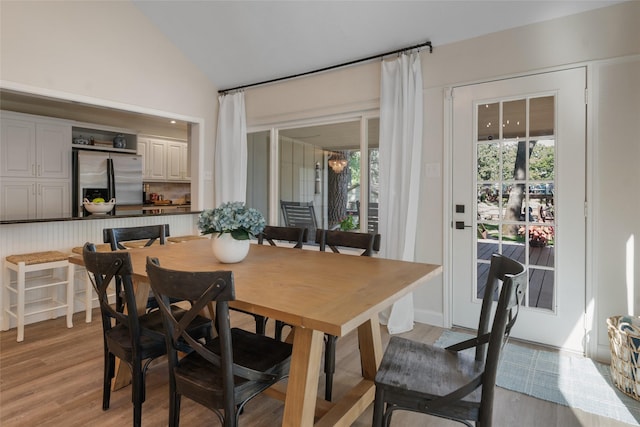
501	269
272	233
150	233
372	216
300	214
513	276
335	239
200	288
103	267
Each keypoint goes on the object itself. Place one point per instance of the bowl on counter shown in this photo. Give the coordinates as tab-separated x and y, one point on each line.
99	208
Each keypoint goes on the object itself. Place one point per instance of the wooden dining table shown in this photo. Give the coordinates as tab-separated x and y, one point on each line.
315	292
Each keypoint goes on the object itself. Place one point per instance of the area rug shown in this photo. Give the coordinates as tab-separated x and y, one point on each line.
572	381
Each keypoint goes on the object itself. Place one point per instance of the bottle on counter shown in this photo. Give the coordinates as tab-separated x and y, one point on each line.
145	191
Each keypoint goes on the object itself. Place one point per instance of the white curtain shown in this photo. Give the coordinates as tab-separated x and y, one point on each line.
230	173
401	117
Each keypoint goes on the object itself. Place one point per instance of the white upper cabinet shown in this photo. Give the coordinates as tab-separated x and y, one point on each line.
153	158
175	170
178	161
32	149
185	162
53	151
18	148
164	159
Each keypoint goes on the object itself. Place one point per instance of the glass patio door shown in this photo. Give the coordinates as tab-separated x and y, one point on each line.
321	164
519	190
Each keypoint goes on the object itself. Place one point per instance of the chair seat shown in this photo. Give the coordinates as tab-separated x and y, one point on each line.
153	340
423	372
119	342
200	380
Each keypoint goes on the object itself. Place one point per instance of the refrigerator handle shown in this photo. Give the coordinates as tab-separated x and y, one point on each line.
75	190
111	179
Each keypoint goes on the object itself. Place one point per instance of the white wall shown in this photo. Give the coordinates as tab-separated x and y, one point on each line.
585	38
616	192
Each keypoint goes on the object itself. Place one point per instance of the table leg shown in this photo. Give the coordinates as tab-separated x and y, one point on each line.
370	342
302	389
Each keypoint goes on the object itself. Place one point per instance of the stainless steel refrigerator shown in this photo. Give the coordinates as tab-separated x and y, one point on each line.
114	175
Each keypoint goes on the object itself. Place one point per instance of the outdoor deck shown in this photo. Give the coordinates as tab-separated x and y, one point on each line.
541	280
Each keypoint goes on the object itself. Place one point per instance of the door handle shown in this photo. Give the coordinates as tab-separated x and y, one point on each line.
460	225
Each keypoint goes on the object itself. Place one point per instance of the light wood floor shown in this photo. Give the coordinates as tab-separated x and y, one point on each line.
54	378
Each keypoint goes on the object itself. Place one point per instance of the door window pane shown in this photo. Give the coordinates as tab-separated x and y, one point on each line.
488	161
514	119
297	160
510	161
542	160
515	177
324	165
542	116
488	121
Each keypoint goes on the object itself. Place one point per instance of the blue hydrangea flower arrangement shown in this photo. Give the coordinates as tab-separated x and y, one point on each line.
234	218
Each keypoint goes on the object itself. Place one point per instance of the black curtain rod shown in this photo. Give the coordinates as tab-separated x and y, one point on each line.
381	55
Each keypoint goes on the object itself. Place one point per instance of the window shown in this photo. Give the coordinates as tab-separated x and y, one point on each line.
516	189
320	163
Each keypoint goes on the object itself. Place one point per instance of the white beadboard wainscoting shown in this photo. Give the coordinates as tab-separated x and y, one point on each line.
64	236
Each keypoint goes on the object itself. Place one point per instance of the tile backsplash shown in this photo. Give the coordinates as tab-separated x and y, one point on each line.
174	191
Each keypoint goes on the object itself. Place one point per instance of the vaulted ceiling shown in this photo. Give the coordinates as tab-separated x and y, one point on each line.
242	42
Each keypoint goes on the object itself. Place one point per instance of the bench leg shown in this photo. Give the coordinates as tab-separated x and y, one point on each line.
70	293
20	284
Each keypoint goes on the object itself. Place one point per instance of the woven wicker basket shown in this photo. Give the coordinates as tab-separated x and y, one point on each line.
624	341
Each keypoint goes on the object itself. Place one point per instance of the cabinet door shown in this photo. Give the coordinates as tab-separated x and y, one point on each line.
143	145
53	150
156	159
174	161
18	148
17	199
53	199
185	160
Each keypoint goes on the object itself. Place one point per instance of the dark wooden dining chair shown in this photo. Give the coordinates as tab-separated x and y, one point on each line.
447	382
145	235
300	214
140	236
222	374
272	235
334	240
372	216
132	338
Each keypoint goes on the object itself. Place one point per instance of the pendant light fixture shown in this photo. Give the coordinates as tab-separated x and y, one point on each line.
337	162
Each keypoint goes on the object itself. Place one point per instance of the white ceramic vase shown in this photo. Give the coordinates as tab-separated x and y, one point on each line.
228	250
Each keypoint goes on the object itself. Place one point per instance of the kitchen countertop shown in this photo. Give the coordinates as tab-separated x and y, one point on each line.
147	206
139	211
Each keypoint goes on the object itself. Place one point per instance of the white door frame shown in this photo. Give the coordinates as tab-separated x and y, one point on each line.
591	330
